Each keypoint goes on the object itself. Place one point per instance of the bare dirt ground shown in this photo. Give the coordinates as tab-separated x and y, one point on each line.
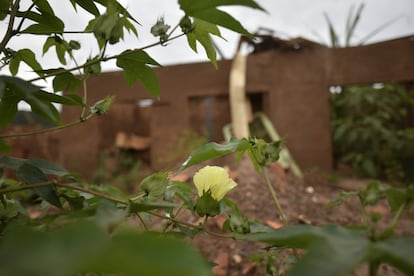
303	200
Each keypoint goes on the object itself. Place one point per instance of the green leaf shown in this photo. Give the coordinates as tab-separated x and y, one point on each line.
46	20
87	5
44	109
83	246
11	162
28	57
395	199
262	154
47	167
93	66
66	81
223	19
214	150
13	90
134	63
332	250
75	98
144	206
44	7
119	8
69	99
201	33
397	252
4	8
8	109
192	6
30	174
50	41
181	190
61	47
372	193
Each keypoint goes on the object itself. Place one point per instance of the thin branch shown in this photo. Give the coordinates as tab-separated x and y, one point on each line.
9	32
102	195
91	62
24	16
45	130
142	221
62	185
192	226
26	187
274	197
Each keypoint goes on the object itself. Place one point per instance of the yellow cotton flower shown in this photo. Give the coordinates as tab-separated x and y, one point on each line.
213	178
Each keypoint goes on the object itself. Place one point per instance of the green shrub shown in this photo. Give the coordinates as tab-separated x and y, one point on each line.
372	132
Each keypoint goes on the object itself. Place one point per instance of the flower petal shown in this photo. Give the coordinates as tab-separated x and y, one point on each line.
213	178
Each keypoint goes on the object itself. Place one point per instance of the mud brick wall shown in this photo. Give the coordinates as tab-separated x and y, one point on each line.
293	85
289	83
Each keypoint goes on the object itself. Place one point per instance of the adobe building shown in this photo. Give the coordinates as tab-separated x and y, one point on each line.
287	80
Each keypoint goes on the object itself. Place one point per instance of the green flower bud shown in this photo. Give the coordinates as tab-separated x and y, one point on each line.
186	25
154	186
160	28
117	33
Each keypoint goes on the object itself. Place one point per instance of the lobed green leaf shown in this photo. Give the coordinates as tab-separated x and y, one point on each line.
395	198
223	19
134	63
68	99
397	252
4	8
8	109
85	247
332	250
87	5
201	33
31	174
13	90
45	166
193	6
214	150
66	81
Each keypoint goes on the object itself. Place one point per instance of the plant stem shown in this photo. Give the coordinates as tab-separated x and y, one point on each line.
142	221
274	196
19	27
192	226
373	268
85	96
9	32
390	229
45	130
26	187
62	185
102	195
